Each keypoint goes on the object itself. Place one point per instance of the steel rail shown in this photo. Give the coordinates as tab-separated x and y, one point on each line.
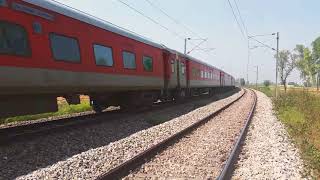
33	130
125	168
228	169
29	131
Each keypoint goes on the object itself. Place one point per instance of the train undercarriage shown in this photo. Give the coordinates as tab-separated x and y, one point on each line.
14	105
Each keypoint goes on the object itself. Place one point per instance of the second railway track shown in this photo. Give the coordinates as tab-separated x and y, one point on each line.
33	130
199	151
87	152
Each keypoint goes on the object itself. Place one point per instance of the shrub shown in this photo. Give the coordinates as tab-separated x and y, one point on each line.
266	83
300	112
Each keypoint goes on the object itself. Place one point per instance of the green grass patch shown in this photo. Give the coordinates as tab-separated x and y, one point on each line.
64	109
266	90
300	112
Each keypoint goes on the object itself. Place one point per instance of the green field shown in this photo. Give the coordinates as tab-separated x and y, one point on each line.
299	111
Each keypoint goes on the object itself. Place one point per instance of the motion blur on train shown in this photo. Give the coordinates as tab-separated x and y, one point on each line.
48	50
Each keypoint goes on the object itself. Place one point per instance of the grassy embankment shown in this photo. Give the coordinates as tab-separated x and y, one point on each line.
63	106
299	111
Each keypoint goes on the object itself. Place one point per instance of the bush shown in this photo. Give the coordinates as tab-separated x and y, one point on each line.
266	83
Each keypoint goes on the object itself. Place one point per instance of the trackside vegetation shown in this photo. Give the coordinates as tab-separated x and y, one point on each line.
64	109
266	90
299	111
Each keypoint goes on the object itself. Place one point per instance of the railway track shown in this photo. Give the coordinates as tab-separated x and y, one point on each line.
130	166
33	130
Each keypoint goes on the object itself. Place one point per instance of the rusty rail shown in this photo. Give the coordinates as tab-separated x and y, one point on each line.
228	169
125	168
33	130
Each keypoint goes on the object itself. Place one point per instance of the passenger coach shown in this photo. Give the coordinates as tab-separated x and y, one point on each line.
49	50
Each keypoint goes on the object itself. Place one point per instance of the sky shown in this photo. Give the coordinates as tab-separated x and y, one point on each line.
295	20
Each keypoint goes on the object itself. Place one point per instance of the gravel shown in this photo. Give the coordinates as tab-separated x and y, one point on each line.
268	152
201	154
106	154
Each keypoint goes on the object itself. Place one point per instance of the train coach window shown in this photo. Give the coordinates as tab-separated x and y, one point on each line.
129	60
103	55
194	72
65	48
173	67
183	69
147	63
13	40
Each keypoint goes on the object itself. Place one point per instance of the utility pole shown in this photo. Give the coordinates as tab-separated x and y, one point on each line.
257	76
248	61
277	59
318	81
195	47
185	45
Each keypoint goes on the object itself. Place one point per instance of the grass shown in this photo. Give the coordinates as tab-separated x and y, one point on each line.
266	90
63	109
299	111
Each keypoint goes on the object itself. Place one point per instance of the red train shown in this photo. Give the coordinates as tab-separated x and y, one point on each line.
49	50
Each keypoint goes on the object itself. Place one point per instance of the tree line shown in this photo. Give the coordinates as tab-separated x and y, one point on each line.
305	59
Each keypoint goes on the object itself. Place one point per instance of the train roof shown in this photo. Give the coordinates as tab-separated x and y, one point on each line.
190	58
87	18
95	21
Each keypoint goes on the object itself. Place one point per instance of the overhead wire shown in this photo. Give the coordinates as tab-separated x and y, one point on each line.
177	22
241	19
236	19
268	42
263	44
100	19
172	18
141	13
151	19
197	46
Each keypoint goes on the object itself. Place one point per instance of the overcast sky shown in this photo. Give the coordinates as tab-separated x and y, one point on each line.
296	20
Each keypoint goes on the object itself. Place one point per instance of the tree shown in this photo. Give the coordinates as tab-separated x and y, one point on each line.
266	83
307	63
242	82
286	63
316	57
292	84
316	49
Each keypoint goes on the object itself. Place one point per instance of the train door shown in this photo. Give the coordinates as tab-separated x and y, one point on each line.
181	74
167	71
174	83
221	79
178	78
178	73
188	73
